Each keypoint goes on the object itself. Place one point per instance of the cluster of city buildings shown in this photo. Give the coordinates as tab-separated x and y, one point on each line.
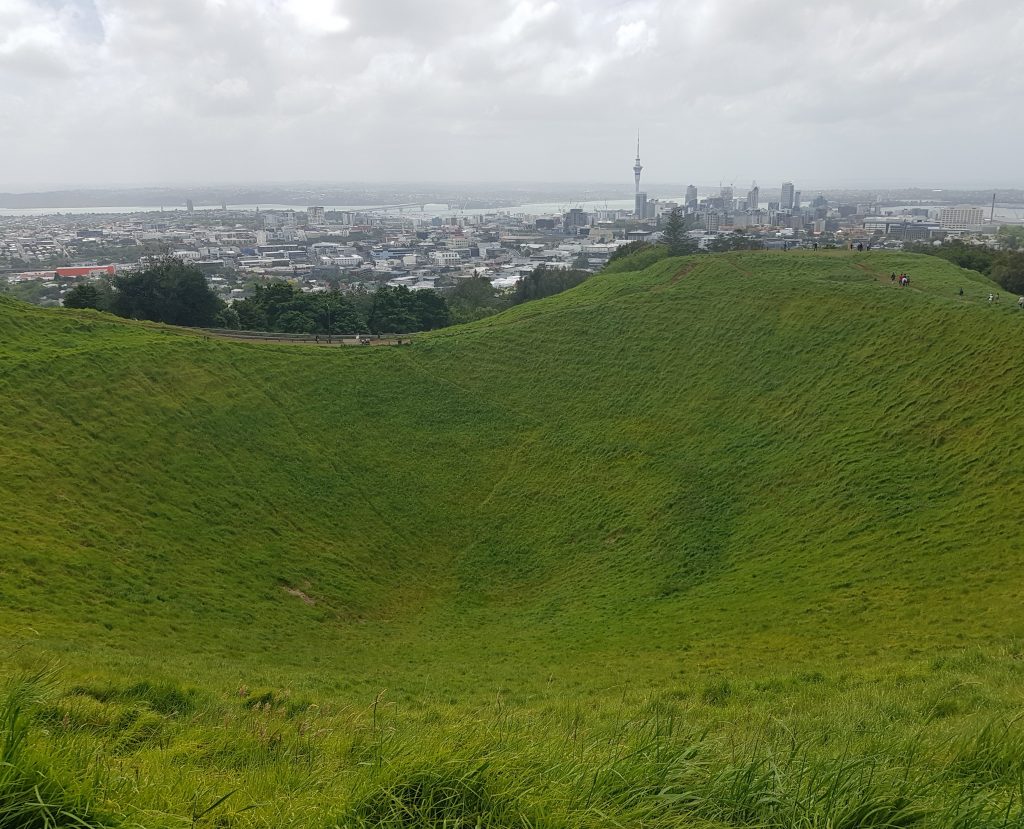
340	249
815	220
319	249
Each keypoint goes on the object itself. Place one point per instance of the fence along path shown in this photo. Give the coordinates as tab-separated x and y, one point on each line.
307	339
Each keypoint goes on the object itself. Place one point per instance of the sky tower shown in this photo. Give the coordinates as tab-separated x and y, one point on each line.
638	166
640	200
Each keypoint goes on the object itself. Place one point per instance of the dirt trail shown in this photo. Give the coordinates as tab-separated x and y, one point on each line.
336	342
294	591
678	276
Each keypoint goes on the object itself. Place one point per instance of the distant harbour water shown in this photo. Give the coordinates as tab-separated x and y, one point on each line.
1012	213
428	210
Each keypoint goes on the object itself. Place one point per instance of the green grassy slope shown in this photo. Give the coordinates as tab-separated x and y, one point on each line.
744	489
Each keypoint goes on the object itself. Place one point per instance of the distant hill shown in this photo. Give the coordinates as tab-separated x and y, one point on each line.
688	484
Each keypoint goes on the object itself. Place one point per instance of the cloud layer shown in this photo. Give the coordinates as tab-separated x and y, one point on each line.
152	91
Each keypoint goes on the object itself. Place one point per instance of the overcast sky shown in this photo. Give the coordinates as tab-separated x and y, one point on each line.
905	92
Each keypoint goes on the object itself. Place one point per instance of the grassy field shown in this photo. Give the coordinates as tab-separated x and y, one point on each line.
728	542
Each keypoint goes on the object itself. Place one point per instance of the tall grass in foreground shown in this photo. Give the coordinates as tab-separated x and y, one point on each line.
30	797
657	777
264	760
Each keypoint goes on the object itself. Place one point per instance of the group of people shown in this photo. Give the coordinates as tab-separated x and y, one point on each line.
995	298
903	280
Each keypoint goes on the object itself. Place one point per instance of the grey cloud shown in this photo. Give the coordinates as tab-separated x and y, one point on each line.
34	59
527	89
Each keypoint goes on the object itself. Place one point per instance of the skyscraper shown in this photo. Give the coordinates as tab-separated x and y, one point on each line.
691	195
315	217
726	194
787	195
753	197
796	200
639	206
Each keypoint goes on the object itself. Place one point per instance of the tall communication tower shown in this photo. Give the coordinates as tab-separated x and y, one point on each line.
637	167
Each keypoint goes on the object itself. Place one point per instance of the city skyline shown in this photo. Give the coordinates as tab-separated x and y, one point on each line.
845	95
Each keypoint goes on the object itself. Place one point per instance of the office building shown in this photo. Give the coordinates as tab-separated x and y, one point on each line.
575	219
786	202
960	218
640	206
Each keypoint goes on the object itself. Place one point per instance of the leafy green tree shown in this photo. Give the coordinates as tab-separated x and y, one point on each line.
972	257
85	295
391	311
336	314
400	311
1008	271
473	299
475	292
295	322
275	298
228	318
544	281
251	315
1011	237
674	235
431	310
281	306
34	292
169	291
732	241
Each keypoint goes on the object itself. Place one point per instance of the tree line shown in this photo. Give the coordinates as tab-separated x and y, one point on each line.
177	293
169	291
282	307
1004	267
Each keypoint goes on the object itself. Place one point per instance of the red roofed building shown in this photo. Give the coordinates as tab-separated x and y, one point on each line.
87	270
